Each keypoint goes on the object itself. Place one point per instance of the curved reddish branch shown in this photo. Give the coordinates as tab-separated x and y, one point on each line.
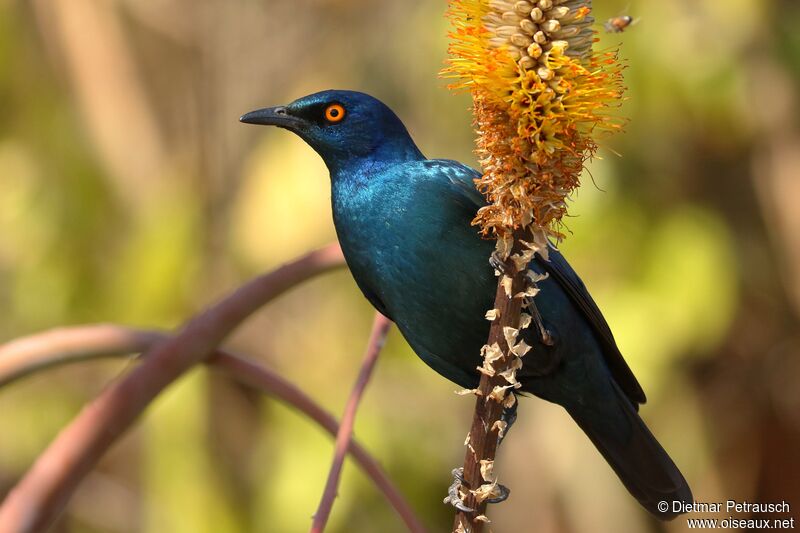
27	355
258	377
380	328
61	346
39	497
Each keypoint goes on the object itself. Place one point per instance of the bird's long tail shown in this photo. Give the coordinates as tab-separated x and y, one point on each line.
641	463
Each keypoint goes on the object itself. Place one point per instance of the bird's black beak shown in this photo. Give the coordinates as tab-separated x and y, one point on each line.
272	116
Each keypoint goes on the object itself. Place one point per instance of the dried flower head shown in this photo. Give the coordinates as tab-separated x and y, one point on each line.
540	98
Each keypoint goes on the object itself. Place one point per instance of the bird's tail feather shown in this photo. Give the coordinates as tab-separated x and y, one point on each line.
638	459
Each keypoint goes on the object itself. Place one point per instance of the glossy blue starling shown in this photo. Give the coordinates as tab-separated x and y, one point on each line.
403	222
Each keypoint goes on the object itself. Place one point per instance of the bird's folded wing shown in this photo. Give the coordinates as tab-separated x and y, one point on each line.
568	279
462	179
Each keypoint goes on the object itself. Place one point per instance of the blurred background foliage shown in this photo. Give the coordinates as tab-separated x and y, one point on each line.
130	193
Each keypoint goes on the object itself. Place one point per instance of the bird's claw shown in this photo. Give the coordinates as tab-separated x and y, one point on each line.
504	493
545	335
454	496
497	263
453	492
509	416
547	338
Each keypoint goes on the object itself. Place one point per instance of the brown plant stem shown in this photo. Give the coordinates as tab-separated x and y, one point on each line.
380	328
36	501
483	435
61	346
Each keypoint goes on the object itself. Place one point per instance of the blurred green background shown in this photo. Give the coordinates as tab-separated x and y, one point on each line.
130	193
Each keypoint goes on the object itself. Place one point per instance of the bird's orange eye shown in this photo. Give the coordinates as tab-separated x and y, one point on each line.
334	113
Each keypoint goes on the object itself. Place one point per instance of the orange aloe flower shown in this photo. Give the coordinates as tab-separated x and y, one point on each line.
541	99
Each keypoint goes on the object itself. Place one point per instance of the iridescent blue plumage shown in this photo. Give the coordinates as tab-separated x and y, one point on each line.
403	222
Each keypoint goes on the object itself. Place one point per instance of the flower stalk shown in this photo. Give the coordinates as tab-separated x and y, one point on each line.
541	99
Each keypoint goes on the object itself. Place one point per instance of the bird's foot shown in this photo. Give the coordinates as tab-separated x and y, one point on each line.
454	491
509	416
544	334
542	362
503	496
497	263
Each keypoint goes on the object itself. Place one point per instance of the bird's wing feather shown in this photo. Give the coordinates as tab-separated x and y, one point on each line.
462	178
568	279
464	184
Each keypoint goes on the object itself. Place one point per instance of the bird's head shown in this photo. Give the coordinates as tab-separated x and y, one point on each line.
343	127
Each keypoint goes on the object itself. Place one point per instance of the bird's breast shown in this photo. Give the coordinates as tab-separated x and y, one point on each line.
420	257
